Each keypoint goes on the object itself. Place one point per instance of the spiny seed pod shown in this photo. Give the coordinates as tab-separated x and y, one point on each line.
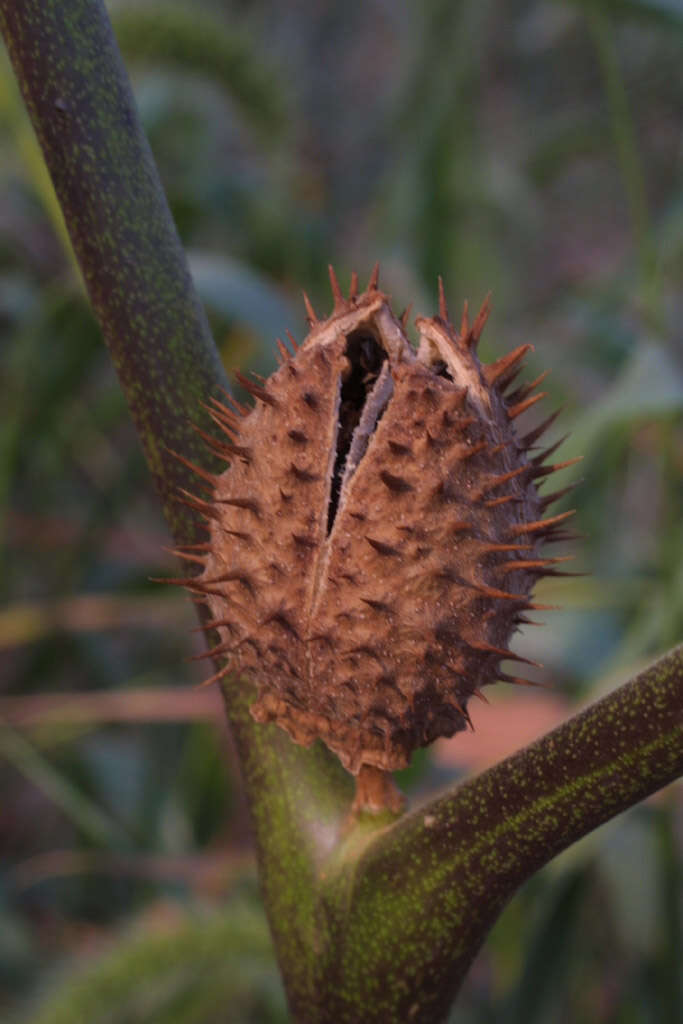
376	537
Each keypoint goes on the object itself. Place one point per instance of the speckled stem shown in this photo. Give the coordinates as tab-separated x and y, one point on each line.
79	99
416	904
80	102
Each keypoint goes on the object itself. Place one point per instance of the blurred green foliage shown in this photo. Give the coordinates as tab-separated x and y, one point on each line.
532	148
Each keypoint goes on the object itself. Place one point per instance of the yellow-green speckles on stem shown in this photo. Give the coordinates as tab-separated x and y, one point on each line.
427	889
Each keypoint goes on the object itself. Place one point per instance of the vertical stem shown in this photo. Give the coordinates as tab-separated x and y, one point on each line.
80	101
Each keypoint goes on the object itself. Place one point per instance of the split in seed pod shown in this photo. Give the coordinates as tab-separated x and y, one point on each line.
376	537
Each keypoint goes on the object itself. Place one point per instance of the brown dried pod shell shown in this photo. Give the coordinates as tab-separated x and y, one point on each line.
375	539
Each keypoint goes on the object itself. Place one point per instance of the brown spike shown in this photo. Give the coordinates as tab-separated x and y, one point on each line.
303	475
538	459
459	526
517	410
526	389
508	379
522	620
494	371
239	409
250	504
232	418
503	652
282	619
310	312
443	305
197	586
373	283
204	507
465	321
377	606
224	648
541	525
562	536
227	425
557	573
174	581
479	323
532	437
224	451
334	285
474	450
397	448
233	576
397	484
404	316
214	624
186	555
246	537
381	548
353	290
213	679
297	436
541	471
228	431
450	698
302	541
209	477
285	354
292	341
486	548
232	451
550	499
480	695
505	500
495	481
516	681
504	595
537	563
256	390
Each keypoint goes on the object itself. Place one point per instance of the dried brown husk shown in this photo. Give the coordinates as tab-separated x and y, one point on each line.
376	537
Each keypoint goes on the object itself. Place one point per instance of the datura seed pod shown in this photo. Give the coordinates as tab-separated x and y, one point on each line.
376	536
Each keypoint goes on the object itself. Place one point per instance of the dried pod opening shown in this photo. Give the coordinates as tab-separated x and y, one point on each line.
375	551
440	368
366	359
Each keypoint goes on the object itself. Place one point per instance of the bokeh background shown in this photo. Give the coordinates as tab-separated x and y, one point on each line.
531	148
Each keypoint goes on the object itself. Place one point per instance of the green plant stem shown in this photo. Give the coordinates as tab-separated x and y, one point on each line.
79	99
418	902
82	108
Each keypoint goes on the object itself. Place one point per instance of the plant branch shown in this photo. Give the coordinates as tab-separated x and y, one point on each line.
454	863
80	101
